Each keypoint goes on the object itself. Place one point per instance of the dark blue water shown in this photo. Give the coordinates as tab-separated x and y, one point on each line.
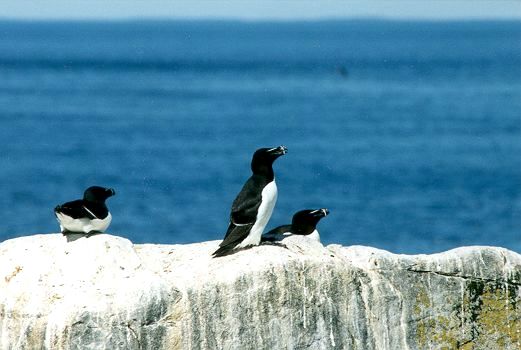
415	148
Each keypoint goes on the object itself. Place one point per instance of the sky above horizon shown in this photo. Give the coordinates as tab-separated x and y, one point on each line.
260	9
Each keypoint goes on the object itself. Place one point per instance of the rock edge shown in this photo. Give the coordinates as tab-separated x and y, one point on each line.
103	292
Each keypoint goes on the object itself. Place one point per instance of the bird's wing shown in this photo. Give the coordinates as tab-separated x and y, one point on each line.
75	209
246	204
279	230
242	216
276	234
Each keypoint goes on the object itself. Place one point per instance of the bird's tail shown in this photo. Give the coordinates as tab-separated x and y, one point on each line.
233	237
223	251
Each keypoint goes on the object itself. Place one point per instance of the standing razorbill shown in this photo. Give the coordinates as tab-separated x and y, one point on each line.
252	208
304	223
87	215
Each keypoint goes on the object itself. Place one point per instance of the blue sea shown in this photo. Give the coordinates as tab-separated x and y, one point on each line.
409	132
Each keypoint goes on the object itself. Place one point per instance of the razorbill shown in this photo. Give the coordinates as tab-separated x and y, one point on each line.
303	223
253	206
87	215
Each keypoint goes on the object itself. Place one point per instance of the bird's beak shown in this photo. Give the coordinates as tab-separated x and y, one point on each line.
111	191
280	151
320	212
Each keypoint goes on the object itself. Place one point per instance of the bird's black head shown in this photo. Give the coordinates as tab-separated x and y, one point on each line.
98	194
305	221
263	158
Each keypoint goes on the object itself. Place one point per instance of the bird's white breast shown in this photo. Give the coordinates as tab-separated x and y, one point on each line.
85	225
314	236
269	198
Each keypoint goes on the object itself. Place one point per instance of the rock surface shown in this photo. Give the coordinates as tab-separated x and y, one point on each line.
103	292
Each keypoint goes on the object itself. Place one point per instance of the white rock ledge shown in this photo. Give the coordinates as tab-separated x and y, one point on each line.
103	292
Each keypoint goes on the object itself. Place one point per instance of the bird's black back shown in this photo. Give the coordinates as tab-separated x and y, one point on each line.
243	213
276	234
246	204
83	209
279	230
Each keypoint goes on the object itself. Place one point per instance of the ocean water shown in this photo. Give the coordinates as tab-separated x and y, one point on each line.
409	132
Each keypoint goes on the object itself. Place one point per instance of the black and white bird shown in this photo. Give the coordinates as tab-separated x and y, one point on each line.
303	223
87	215
253	206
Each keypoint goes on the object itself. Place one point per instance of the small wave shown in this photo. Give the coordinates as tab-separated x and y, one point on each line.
158	65
287	66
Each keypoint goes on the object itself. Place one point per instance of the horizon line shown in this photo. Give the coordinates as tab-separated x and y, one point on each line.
260	20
